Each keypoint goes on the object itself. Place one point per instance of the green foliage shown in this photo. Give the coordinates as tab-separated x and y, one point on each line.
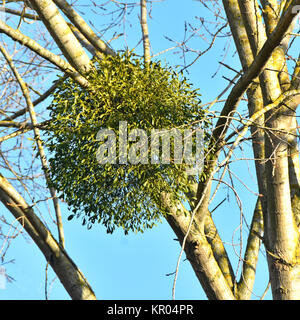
123	89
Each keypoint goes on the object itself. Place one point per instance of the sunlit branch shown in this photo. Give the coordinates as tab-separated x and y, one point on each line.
83	27
145	31
39	143
44	53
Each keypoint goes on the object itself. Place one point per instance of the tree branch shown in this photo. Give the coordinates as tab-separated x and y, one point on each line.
68	273
61	33
245	285
198	252
39	144
145	31
253	72
83	27
44	53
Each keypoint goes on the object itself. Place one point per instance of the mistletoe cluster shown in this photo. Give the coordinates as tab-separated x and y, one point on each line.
146	97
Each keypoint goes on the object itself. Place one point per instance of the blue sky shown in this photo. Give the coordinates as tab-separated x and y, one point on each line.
135	266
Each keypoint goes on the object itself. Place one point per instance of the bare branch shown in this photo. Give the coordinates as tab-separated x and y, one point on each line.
62	34
46	54
68	273
39	144
145	31
83	27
